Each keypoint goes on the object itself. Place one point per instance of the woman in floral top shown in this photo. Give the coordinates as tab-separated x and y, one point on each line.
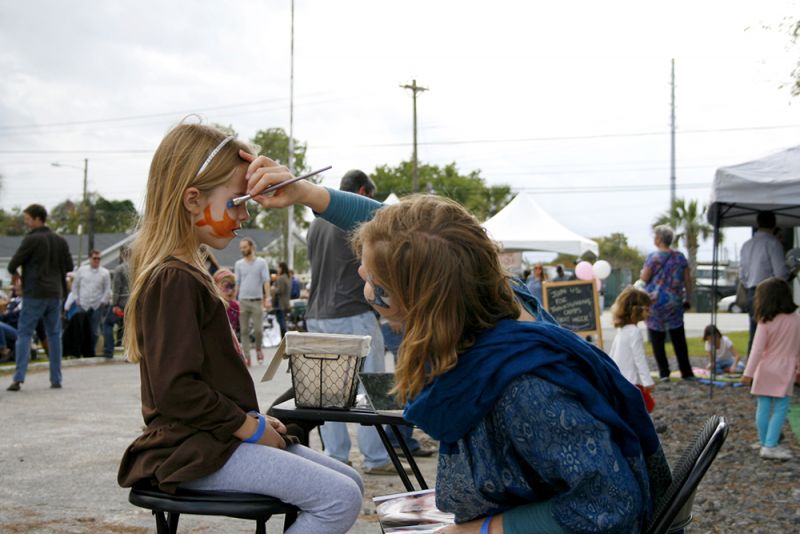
667	277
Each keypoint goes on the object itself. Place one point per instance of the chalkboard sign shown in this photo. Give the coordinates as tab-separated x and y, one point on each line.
575	306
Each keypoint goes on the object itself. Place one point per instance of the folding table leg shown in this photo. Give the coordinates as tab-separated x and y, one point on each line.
395	460
409	457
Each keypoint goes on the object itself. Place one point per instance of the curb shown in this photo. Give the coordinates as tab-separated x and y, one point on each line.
36	365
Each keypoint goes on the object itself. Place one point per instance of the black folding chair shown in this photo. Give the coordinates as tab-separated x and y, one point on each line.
674	511
168	507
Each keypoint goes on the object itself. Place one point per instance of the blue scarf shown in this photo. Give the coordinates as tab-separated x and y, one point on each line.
455	402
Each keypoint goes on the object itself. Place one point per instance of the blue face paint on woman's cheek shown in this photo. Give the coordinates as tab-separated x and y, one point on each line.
379	296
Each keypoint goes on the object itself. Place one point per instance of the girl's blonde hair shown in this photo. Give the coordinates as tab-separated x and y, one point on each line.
445	280
631	306
165	226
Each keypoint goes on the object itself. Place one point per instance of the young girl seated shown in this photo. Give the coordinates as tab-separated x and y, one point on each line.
538	430
727	359
627	349
203	426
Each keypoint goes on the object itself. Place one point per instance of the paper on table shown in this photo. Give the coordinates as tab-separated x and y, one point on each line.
414	511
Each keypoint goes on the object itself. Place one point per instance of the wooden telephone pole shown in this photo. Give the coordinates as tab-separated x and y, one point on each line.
414	90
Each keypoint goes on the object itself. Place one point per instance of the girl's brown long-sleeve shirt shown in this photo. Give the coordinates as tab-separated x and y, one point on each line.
196	390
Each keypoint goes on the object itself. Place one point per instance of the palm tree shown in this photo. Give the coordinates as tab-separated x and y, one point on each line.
689	222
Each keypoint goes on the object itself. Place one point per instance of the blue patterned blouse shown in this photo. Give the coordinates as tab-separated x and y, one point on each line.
667	288
539	444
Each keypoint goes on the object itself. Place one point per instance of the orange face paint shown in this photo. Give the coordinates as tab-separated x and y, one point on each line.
219	228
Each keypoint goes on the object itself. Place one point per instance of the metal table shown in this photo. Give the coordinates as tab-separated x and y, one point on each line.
362	416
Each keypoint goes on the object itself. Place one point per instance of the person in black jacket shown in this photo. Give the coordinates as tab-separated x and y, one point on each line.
45	261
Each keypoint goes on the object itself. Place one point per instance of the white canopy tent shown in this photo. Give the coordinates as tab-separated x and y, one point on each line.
772	183
524	226
391	199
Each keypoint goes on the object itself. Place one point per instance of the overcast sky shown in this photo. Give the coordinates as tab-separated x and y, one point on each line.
567	99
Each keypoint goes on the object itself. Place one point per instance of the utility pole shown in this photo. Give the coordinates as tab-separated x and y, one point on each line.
90	206
290	209
672	141
84	208
415	173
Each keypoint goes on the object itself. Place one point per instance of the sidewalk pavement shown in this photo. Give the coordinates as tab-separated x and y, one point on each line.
61	449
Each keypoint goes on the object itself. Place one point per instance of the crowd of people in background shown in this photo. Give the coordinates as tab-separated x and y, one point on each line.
94	299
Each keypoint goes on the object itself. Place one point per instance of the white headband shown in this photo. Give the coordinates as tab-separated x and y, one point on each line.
214	153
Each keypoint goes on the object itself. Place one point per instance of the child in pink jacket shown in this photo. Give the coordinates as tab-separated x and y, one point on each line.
774	362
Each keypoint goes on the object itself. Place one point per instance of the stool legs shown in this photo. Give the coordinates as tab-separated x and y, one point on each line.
289	520
166	523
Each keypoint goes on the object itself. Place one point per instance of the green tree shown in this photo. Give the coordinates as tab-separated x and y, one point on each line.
65	217
274	143
613	248
567	260
469	190
689	222
111	216
11	222
792	26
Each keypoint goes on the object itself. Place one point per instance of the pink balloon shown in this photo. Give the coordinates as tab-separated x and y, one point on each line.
584	271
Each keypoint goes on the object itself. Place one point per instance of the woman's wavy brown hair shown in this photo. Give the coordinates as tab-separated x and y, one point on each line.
445	280
630	307
166	226
773	297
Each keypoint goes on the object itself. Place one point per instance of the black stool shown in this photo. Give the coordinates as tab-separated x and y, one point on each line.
167	507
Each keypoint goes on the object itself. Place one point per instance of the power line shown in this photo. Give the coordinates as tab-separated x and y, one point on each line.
621	188
544	172
65	126
82	151
455	142
137	117
566	137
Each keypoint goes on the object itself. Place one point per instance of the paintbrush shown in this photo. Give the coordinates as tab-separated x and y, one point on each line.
232	203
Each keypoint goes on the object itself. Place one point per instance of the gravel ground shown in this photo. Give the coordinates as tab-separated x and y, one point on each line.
740	492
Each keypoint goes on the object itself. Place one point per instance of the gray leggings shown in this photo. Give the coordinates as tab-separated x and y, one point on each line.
327	491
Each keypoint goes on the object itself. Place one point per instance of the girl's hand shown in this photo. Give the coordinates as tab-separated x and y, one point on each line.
276	424
746	380
263	172
271	438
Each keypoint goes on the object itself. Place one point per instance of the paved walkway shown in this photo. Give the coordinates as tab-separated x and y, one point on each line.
61	450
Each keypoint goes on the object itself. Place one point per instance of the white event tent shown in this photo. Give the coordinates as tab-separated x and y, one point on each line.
739	192
391	199
524	226
771	183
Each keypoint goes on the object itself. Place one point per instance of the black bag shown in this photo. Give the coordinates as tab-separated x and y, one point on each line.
741	296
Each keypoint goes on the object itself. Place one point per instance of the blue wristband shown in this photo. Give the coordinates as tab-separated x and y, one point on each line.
485	525
262	425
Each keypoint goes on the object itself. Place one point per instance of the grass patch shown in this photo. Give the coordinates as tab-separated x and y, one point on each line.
697	348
